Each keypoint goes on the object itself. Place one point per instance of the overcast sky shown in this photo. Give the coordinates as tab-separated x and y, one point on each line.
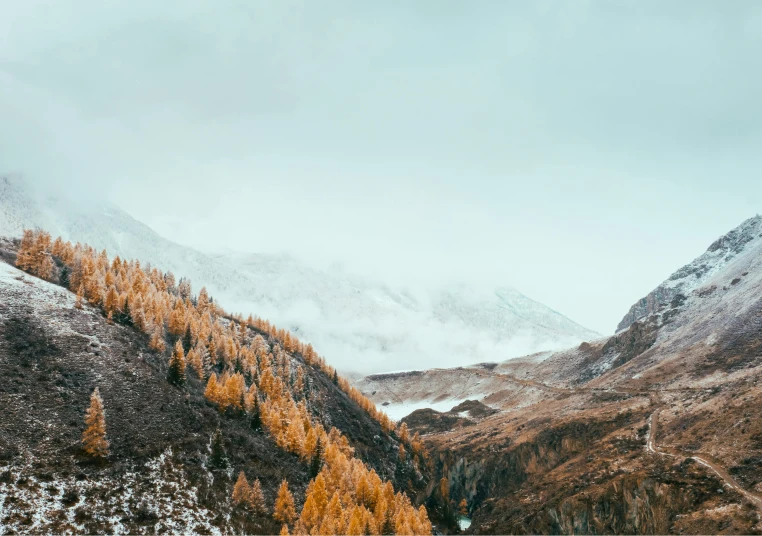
578	151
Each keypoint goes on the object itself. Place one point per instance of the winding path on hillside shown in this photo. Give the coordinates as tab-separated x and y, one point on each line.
704	460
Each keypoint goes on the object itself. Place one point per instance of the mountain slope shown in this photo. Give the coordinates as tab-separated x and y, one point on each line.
361	325
159	474
691	276
654	430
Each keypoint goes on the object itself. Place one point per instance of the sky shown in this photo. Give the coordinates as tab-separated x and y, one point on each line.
579	151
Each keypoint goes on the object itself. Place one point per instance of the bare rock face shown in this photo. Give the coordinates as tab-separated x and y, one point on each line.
693	275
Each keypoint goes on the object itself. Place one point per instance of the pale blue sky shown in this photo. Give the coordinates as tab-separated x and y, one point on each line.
580	151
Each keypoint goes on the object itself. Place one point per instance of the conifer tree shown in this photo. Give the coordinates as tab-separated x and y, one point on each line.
285	512
255	415
317	460
187	339
63	277
176	374
284	530
80	295
404	433
94	440
257	498
241	491
157	340
463	507
217	457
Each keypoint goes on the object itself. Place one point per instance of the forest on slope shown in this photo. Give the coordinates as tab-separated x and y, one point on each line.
193	399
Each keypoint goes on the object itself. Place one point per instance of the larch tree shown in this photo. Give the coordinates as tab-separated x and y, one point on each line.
157	340
241	491
257	498
80	295
94	440
176	374
285	511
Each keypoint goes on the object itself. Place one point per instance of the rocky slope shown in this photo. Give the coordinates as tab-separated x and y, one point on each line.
346	316
691	276
158	476
654	430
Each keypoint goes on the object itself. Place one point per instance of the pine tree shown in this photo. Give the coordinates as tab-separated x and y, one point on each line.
217	457
94	440
187	339
317	460
125	315
241	491
284	530
176	374
285	512
255	416
63	278
335	377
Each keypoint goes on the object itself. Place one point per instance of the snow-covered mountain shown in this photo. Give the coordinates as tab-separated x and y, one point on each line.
693	275
360	325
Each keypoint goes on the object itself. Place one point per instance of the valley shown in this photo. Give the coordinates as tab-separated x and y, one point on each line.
653	430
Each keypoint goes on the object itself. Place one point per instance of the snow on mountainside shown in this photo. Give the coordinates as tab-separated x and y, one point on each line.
359	325
695	274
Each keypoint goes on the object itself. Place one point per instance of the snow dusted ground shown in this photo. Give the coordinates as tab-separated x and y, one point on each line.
360	326
158	491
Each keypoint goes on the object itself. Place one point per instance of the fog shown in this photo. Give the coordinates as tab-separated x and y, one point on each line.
577	151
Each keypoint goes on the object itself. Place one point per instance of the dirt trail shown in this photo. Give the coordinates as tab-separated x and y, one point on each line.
704	460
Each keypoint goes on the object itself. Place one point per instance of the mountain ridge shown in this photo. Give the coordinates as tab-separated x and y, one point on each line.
363	326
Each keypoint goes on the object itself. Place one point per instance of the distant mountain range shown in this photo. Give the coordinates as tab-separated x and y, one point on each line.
360	325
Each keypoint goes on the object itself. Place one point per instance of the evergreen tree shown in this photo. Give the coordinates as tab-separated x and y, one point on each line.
187	339
125	316
94	440
176	374
317	460
217	457
63	278
335	377
256	416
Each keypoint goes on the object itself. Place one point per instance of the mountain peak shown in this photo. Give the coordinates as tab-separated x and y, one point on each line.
717	257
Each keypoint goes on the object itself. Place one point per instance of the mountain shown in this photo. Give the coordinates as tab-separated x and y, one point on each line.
656	429
165	471
690	277
361	325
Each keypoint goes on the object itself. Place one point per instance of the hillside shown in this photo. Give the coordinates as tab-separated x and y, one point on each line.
654	430
364	326
161	473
